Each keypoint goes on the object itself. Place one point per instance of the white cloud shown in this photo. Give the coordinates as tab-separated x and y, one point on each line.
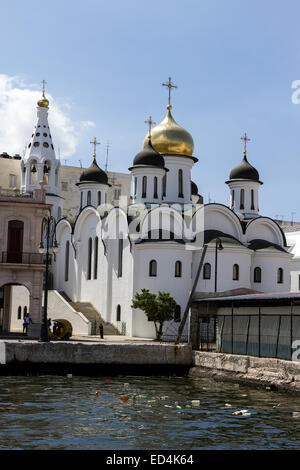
18	117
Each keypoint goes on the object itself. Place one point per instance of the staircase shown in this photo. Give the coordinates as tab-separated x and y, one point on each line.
89	311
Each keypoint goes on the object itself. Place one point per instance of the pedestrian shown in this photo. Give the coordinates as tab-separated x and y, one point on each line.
101	330
26	322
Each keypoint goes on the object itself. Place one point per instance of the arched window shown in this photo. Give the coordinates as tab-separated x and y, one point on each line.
164	185
252	199
19	312
155	195
177	314
242	199
135	186
118	316
144	190
99	198
96	258
235	272
207	271
153	268
67	261
280	276
88	200
232	199
89	266
15	241
257	274
24	311
180	184
120	255
178	269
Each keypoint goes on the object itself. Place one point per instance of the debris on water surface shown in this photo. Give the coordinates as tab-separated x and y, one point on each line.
124	397
228	405
241	413
69	376
195	402
296	414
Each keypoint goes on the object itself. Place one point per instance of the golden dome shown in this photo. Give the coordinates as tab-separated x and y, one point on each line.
43	103
168	138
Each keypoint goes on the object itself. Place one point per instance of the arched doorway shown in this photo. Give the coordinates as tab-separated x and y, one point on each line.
14	304
15	241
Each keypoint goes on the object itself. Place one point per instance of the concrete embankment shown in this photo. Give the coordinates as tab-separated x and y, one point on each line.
276	373
95	358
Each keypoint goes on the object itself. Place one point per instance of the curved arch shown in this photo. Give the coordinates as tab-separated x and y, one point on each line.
270	229
81	219
151	221
220	217
110	225
62	225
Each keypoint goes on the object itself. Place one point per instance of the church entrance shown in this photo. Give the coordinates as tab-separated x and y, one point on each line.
15	241
14	305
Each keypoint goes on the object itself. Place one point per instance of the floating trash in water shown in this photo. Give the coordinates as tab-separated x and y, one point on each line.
276	406
69	376
244	395
188	406
151	402
126	384
107	380
167	406
228	405
124	397
164	397
296	414
96	393
241	413
142	396
178	407
195	402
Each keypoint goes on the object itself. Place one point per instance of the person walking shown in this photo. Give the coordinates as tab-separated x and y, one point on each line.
101	330
26	322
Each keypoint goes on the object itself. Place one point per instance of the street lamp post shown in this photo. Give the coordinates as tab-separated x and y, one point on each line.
219	246
48	236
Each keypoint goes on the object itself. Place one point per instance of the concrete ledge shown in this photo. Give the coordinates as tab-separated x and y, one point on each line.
276	373
34	355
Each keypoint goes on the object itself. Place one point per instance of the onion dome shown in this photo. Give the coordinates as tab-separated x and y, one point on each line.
43	103
93	174
168	138
194	189
149	157
244	171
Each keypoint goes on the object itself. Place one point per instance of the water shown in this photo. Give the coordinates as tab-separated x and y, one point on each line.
54	412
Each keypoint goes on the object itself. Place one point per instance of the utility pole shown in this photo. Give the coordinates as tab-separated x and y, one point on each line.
107	150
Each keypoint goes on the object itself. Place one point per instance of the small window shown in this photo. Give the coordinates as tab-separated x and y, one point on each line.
177	314
29	145
12	181
120	256
242	199
164	185
89	198
235	272
19	312
280	276
96	258
24	311
67	261
36	144
180	184
232	199
81	200
45	134
64	186
144	191
118	316
117	193
89	266
135	186
252	199
37	134
207	271
178	269
257	274
45	144
99	198
153	268
299	282
155	195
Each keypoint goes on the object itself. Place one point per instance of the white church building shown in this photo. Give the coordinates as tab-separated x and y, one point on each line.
109	253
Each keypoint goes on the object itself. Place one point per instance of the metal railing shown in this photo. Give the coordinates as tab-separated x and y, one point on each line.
22	258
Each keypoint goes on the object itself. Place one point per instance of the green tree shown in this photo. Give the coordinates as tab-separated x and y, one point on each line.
158	308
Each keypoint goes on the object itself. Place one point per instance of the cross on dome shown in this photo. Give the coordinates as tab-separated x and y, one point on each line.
245	139
95	143
170	86
150	123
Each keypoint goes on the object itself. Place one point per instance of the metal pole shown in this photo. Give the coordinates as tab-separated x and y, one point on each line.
291	330
278	334
259	326
44	330
189	302
231	327
216	265
248	328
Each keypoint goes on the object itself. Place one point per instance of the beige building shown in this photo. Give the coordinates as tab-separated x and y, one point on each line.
10	178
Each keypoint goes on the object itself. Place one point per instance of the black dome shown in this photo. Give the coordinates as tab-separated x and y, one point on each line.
194	189
94	174
244	171
149	157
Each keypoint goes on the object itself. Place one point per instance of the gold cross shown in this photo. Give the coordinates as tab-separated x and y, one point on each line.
44	83
170	86
150	122
95	143
245	139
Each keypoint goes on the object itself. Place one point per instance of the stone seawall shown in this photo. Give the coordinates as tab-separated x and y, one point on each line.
276	373
114	358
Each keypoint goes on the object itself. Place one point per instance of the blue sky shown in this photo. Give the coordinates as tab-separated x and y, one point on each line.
233	61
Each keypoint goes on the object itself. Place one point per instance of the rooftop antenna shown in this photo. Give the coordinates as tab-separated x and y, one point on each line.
65	160
80	163
209	200
107	150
